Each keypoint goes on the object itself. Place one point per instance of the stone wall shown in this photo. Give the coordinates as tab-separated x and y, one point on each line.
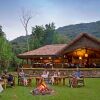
93	72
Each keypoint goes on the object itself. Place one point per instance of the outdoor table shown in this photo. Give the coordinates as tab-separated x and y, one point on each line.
58	79
64	79
29	80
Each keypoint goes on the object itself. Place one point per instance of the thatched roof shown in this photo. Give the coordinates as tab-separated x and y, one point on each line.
48	50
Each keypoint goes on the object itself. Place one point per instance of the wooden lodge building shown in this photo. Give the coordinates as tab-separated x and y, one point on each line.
83	52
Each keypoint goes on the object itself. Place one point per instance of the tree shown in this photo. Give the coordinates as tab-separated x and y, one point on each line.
38	33
1	32
49	33
60	39
5	51
25	18
44	35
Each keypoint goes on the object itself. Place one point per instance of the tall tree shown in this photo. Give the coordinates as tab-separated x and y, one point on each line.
49	33
44	35
37	36
5	50
1	32
25	18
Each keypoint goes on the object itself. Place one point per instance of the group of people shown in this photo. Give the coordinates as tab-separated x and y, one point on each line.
42	87
46	76
8	78
75	76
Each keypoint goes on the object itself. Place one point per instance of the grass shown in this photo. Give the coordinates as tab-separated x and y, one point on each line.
91	91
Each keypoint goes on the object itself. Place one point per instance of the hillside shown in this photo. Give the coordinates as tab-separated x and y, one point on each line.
70	31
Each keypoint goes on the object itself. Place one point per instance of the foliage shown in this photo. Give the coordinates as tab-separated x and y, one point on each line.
60	39
37	36
49	33
46	35
1	32
6	54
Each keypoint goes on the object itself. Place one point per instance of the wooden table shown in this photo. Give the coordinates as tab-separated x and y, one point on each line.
29	81
64	79
58	79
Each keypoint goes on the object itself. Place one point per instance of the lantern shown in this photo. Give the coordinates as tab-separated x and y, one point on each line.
86	55
80	57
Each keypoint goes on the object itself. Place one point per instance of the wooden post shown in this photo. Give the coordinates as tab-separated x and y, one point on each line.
22	61
31	62
27	60
52	61
62	62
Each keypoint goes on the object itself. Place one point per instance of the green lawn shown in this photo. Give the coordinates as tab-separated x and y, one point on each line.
91	91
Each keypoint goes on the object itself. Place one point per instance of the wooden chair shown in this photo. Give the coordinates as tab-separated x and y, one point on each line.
29	81
20	80
81	81
72	82
75	82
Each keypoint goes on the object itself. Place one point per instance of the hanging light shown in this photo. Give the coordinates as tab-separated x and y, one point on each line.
41	57
49	57
80	57
64	56
86	55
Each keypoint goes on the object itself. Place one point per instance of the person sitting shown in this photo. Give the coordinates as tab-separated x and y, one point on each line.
75	77
10	80
45	76
23	78
53	77
77	74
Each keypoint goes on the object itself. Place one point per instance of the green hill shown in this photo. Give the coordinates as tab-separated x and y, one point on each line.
70	31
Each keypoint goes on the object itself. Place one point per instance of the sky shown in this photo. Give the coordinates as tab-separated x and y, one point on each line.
61	12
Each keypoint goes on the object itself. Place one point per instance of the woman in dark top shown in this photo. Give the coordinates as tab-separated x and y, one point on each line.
10	80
